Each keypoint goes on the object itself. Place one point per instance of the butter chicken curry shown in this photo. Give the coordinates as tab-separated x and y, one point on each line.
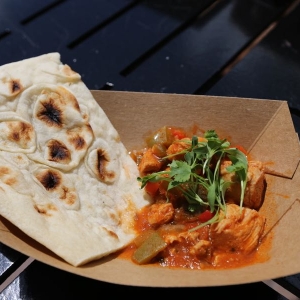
206	196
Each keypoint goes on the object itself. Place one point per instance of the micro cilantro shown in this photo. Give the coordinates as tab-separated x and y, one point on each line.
202	185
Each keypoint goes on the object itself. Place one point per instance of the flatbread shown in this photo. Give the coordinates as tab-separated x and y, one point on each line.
66	179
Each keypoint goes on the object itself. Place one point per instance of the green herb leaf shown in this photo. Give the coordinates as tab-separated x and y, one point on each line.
180	171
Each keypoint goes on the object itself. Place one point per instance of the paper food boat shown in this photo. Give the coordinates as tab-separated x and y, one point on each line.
263	127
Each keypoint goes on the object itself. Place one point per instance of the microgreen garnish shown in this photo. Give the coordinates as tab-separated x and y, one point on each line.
200	183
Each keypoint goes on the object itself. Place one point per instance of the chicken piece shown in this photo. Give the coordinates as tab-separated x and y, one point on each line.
177	147
196	241
240	230
160	213
202	248
256	185
192	237
149	163
255	188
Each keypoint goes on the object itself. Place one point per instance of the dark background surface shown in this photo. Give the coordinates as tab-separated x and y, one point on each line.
244	48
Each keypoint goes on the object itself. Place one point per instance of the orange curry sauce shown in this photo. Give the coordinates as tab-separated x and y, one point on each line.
181	258
177	254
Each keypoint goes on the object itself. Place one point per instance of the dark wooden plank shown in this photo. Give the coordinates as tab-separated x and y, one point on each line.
132	35
109	50
272	62
201	50
70	21
14	12
271	69
145	31
55	28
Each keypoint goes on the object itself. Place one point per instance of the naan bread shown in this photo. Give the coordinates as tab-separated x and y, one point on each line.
66	179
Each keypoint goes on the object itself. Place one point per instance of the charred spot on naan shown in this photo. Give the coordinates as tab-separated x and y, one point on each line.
45	209
56	184
69	98
68	196
111	233
50	179
16	133
20	132
58	152
78	142
50	113
7	176
13	177
15	86
102	162
51	108
66	70
4	171
76	137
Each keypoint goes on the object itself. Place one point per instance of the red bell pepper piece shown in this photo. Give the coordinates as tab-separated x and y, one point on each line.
206	216
152	188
